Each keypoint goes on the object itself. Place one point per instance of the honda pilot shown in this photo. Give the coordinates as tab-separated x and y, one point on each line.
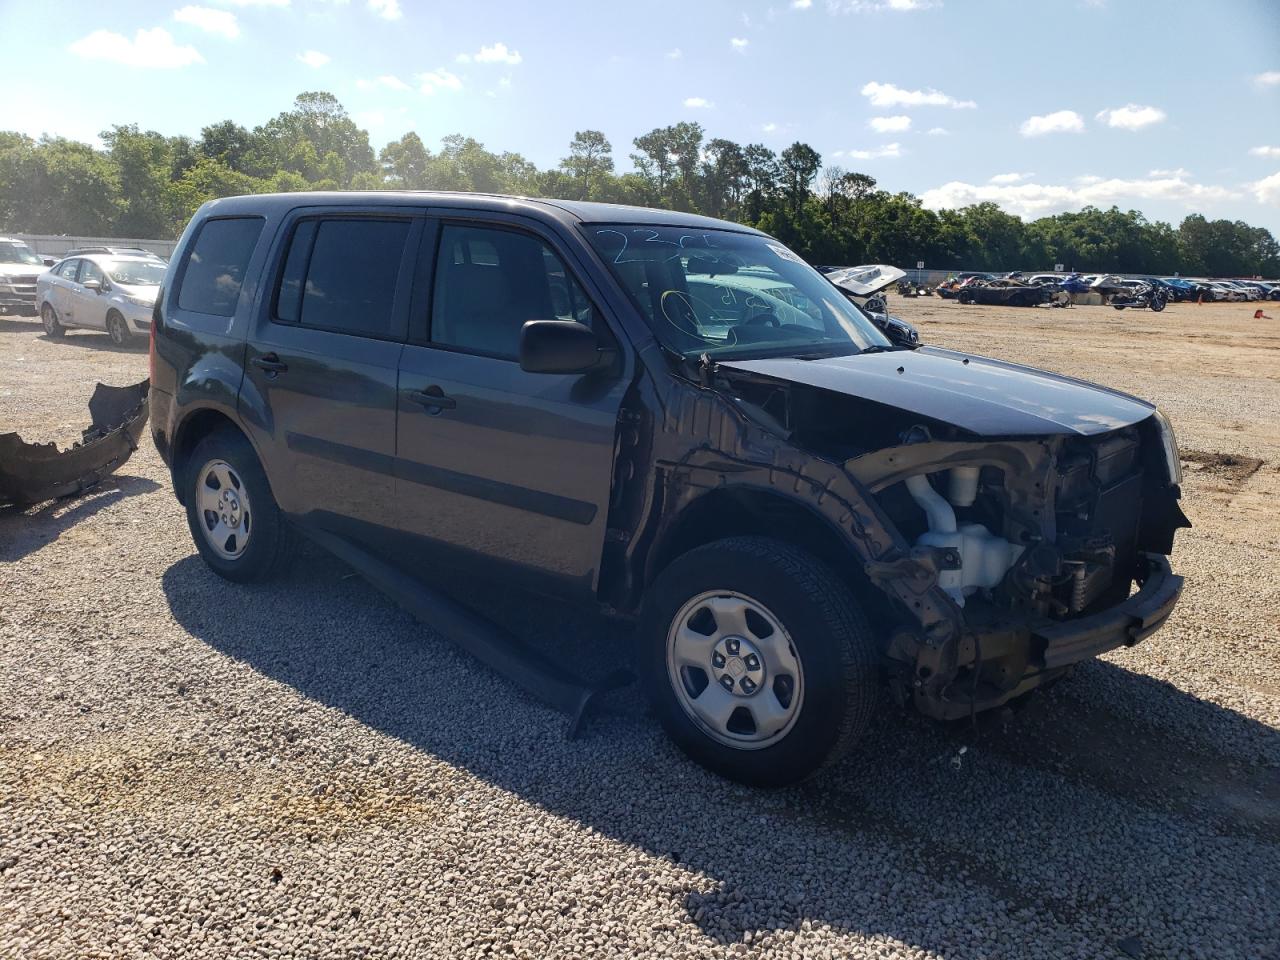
672	419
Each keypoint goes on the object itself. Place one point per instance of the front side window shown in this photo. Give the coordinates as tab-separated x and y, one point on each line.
490	282
91	271
730	294
341	275
215	266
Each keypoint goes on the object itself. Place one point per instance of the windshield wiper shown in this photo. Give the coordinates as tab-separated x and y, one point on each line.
882	348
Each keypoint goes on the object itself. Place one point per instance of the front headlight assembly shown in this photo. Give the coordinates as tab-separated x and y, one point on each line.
140	302
1170	444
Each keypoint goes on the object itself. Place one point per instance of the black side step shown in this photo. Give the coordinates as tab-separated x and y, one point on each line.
481	637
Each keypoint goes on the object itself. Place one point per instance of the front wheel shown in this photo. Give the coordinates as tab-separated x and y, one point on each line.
117	329
757	660
1157	304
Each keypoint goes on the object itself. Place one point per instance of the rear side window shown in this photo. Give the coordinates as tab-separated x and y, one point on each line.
215	266
67	271
340	275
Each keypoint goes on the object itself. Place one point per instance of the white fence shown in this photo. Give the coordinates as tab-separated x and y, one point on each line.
53	246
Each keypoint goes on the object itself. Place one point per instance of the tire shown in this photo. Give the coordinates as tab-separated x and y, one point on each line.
814	679
49	319
1157	304
118	329
243	536
1118	306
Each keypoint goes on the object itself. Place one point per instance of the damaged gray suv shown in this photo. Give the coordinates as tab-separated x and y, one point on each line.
673	419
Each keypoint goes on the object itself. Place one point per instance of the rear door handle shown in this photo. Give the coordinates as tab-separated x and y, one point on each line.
433	397
270	363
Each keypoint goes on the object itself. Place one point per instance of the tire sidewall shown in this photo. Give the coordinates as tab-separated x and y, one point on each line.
115	323
267	522
49	320
820	723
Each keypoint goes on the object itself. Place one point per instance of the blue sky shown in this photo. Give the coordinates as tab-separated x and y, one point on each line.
1041	105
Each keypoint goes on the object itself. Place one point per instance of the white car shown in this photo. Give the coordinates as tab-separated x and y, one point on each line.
100	292
1224	291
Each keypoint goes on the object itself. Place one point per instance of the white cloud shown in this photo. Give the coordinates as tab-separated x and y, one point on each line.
938	131
1131	117
675	53
1034	199
698	103
371	118
221	22
889	95
1063	121
801	4
386	81
1265	151
1267	190
769	127
149	48
879	6
498	53
739	43
889	124
1269	79
314	59
1010	177
889	150
254	3
386	9
438	79
1176	172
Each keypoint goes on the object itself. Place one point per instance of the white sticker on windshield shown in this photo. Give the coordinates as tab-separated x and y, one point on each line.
783	252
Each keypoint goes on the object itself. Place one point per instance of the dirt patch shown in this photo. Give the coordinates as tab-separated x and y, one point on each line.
1224	471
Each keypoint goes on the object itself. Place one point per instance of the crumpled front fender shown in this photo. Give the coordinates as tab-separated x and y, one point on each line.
34	472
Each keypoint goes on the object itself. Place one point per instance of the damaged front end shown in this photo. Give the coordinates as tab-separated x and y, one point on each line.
35	472
1004	514
1039	543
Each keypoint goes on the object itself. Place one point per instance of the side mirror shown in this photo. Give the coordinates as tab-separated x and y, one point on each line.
94	285
49	261
561	346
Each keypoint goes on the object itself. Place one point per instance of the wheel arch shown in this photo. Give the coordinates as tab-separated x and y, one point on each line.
740	510
193	428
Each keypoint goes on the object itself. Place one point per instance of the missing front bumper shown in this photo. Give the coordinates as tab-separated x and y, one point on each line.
1011	662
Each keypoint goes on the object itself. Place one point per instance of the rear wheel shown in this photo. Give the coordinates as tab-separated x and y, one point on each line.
758	661
53	328
117	329
237	527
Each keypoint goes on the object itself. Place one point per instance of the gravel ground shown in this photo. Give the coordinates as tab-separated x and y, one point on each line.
194	769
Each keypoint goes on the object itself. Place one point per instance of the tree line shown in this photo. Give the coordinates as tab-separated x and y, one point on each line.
146	184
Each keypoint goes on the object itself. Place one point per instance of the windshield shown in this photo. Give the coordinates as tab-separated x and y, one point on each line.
731	295
139	273
11	252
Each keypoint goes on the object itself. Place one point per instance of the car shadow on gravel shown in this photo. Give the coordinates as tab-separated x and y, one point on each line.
24	529
19	324
922	830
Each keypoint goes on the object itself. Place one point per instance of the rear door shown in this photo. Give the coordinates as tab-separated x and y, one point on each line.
499	470
322	360
61	284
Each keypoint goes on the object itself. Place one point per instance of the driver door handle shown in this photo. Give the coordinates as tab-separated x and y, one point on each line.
271	363
433	397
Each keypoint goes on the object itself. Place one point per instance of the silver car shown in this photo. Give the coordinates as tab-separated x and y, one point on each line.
100	292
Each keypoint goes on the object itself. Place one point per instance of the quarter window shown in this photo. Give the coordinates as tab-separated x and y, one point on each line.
490	282
341	275
215	266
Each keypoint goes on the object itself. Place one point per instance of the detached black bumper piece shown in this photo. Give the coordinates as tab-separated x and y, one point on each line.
35	472
1123	625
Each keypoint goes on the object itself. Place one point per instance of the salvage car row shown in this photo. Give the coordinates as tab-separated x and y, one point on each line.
94	287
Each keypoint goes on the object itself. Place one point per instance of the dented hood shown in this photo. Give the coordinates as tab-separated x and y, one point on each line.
982	396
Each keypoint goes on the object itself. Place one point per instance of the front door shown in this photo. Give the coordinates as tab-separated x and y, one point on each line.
322	364
498	469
